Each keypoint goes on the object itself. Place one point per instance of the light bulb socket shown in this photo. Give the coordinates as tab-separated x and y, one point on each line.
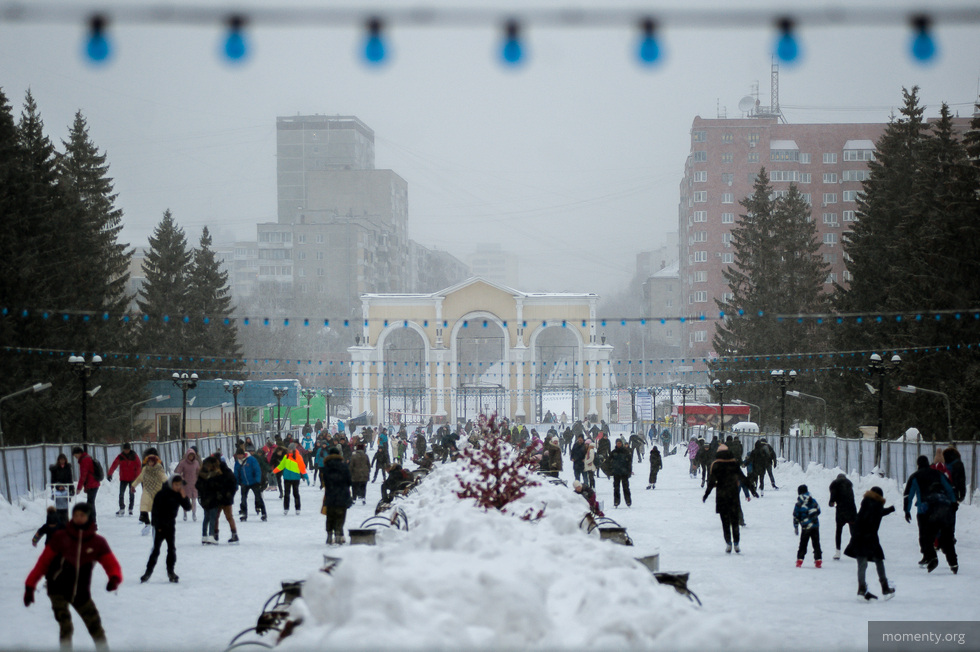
649	27
786	26
921	23
97	25
236	23
374	26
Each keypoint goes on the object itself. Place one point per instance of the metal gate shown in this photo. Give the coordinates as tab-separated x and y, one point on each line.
472	400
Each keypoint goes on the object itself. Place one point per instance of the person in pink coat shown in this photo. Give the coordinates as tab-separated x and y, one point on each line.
188	468
692	453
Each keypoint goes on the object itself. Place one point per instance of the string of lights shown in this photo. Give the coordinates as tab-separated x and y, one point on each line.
377	24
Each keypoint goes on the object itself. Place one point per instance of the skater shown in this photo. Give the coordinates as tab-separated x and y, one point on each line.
275	458
727	476
360	472
705	458
864	545
151	478
67	564
336	494
589	468
293	469
602	452
805	516
578	457
62	486
665	441
87	481
842	497
52	523
188	468
621	465
636	444
380	461
209	486
168	501
588	493
693	448
128	463
228	486
656	463
248	473
762	458
935	505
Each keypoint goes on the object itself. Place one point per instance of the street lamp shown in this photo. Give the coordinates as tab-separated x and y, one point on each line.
33	389
279	392
684	389
782	378
912	389
184	383
200	415
132	410
721	387
84	369
235	388
741	402
877	366
328	394
796	394
308	394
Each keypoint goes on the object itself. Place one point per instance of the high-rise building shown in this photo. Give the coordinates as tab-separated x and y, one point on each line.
492	263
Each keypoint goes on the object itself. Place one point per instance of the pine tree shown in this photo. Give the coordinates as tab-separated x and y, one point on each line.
777	271
212	342
164	296
972	138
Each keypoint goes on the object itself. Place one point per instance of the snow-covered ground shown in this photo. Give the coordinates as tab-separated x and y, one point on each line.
461	578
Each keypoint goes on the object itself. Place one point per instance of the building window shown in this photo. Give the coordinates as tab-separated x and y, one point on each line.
728	297
831	278
728	259
830	218
700	256
859	155
699	157
728	177
784	155
753	139
700	216
319	238
727	198
728	138
670	333
830	177
830	239
726	239
848	216
728	218
320	271
784	175
855	175
700	277
700	296
847	276
698	336
830	258
300	255
700	196
728	157
301	272
806	198
805	158
301	238
829	198
849	195
829	159
779	194
700	236
804	177
700	177
753	157
699	136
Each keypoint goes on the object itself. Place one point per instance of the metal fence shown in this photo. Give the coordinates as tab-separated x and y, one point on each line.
24	469
849	455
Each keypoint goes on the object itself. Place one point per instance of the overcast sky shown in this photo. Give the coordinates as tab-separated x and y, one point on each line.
573	162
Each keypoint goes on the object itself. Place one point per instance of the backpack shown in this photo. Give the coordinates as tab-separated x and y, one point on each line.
97	471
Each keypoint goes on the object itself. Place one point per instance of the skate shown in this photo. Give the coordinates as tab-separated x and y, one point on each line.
818	564
285	512
185	516
736	548
145	578
172	576
121	512
340	540
728	548
146	530
234	538
329	538
363	501
130	512
215	539
205	541
297	512
867	596
837	555
888	592
799	563
923	562
932	565
955	568
265	517
243	517
194	517
775	488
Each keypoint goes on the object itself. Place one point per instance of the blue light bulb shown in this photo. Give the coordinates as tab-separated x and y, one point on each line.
649	51
235	47
512	52
97	48
923	46
787	49
374	49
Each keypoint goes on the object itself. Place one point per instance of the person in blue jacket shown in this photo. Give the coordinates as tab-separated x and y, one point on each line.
248	472
935	513
805	516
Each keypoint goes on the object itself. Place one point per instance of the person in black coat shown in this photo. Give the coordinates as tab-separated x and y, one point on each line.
621	467
656	463
163	516
336	494
726	477
578	456
842	497
226	496
864	545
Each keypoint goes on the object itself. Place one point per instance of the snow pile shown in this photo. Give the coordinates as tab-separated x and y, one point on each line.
23	515
463	577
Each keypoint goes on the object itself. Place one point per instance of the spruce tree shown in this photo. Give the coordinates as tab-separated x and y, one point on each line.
163	298
213	343
777	271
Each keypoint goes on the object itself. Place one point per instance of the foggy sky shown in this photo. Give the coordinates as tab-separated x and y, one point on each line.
573	162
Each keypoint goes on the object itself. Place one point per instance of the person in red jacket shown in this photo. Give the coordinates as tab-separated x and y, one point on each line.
86	477
129	465
67	563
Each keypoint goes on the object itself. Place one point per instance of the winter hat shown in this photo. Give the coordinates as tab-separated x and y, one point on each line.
878	491
802	489
292	447
922	462
176	478
77	450
841	476
576	485
333	450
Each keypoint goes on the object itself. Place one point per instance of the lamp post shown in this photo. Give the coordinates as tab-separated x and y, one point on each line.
783	378
684	389
33	389
132	410
235	388
308	394
912	389
279	392
741	402
184	382
84	369
328	394
200	415
721	387
823	425
877	366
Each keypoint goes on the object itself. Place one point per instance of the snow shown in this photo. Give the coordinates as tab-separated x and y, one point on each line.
464	578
